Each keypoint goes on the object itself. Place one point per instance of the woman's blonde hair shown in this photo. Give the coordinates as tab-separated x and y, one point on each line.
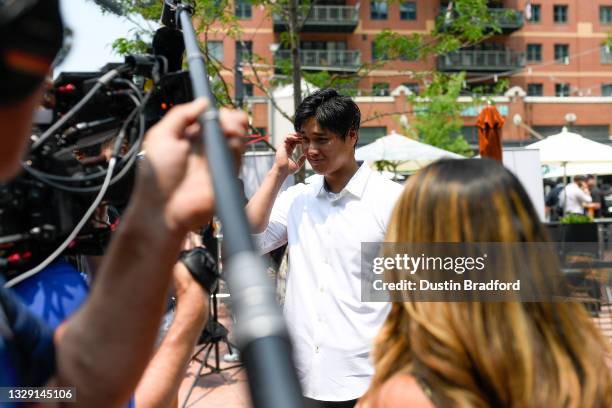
484	354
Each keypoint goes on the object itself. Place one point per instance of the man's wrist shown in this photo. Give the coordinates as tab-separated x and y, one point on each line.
152	221
279	173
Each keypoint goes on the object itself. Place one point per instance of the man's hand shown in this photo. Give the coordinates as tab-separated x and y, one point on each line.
284	161
175	180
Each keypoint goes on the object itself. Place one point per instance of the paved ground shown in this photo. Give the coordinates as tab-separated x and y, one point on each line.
229	389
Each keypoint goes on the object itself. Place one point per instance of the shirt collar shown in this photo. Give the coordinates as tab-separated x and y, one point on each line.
355	186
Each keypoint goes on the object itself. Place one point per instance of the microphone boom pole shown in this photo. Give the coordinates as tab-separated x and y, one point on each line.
260	331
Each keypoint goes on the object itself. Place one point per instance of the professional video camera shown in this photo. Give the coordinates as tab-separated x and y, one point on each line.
68	173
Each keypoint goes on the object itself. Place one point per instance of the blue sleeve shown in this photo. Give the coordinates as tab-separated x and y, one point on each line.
26	342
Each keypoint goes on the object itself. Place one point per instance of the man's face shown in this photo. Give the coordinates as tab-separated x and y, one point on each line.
325	150
591	182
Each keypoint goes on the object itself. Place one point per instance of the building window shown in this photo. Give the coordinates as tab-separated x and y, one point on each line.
368	135
606	90
536	13
215	50
562	89
248	89
560	14
534	52
562	53
412	86
378	10
381	89
535	90
408	11
244	50
605	54
244	9
605	14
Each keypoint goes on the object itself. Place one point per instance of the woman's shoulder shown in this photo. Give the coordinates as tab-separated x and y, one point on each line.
401	390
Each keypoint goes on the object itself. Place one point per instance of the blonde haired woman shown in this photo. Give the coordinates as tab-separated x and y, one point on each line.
482	354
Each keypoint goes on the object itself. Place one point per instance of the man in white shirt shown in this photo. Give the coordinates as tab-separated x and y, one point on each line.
575	196
324	223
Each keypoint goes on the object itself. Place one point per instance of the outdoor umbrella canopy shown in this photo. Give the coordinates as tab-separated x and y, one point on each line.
570	148
490	124
572	169
399	148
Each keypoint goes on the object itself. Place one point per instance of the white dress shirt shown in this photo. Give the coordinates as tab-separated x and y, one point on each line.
572	198
331	329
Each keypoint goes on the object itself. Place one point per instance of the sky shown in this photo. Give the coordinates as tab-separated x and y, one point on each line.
94	34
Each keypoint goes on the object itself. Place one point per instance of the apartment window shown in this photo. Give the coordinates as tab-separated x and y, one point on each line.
244	9
562	53
562	89
381	89
605	54
606	90
535	90
560	14
244	50
534	52
378	10
413	86
248	89
536	13
605	14
215	50
368	135
408	10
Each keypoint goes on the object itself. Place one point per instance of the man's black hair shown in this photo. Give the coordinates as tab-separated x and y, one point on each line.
331	110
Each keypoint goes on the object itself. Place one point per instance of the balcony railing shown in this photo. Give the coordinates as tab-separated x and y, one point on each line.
493	61
508	19
325	59
325	19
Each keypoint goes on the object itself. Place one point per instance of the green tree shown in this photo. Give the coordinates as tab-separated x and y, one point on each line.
438	114
469	22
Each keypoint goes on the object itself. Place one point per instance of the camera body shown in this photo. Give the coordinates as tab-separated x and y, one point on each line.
35	215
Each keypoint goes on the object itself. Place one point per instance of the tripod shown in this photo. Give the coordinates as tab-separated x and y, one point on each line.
214	332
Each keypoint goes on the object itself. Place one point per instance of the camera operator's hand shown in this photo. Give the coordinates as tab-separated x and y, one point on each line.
175	178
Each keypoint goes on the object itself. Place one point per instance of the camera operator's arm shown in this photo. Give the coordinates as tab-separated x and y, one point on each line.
160	383
260	205
104	349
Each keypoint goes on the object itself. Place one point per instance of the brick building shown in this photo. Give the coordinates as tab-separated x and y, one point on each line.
555	61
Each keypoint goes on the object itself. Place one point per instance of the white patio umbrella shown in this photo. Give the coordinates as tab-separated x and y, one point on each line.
402	150
572	169
573	153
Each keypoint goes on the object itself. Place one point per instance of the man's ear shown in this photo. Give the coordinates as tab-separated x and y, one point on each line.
354	137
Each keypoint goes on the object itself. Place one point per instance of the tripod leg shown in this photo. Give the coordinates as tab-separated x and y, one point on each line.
196	378
205	361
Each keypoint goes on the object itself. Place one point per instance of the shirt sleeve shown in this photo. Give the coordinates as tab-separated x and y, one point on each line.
275	234
30	342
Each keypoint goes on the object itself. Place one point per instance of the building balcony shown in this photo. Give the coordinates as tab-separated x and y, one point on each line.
481	61
509	20
325	60
325	19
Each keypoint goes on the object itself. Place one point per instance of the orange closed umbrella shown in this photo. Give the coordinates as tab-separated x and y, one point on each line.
490	123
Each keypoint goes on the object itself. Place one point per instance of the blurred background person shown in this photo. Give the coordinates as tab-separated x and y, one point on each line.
575	197
483	354
597	196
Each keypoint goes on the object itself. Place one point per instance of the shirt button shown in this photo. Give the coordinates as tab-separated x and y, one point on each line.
321	289
317	349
